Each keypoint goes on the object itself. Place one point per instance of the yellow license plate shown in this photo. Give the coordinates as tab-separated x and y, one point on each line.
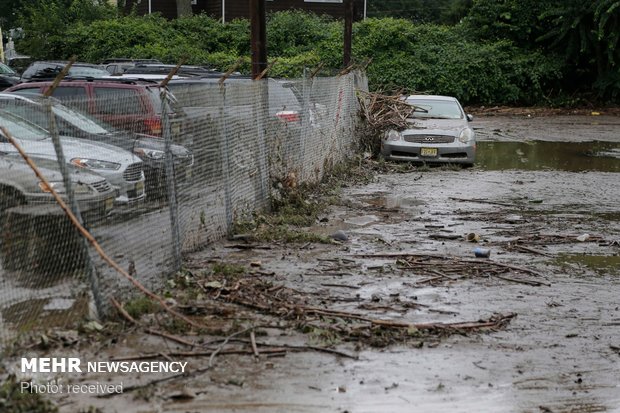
139	188
428	151
109	204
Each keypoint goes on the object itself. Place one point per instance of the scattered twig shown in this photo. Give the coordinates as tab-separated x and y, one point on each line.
354	287
170	337
122	311
482	201
249	246
526	282
253	340
221	347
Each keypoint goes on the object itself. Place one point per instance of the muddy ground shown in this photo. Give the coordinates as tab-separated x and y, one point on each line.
533	328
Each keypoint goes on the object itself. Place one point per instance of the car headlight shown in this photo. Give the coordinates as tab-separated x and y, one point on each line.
150	153
95	164
393	136
59	187
466	135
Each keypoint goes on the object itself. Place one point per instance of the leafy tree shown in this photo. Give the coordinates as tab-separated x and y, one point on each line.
584	33
587	34
293	32
521	21
10	9
457	10
45	23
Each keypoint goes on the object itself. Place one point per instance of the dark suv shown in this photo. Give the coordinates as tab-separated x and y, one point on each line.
118	66
131	105
48	70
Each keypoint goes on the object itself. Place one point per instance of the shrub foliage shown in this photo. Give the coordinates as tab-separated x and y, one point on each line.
498	54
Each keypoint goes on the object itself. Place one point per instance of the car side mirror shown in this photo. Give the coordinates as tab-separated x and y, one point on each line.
469	117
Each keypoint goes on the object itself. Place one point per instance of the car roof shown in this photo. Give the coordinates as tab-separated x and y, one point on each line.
129	60
64	62
80	80
431	97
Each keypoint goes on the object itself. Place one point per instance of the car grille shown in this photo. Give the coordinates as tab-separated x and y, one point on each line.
133	172
428	139
102	186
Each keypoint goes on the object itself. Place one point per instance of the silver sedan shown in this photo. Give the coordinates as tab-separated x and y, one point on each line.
121	168
439	133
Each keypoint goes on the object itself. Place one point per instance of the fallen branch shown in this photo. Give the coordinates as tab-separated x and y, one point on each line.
483	201
526	282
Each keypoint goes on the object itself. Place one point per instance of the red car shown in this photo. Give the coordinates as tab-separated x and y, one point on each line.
133	105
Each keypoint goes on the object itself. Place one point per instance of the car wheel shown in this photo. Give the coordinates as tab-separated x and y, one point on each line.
9	198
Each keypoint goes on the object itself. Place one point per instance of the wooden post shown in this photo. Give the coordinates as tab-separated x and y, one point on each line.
258	37
348	31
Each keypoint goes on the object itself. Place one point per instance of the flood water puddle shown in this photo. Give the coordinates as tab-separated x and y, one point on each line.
540	155
600	264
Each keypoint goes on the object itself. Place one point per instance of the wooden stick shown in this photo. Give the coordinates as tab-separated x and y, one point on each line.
170	337
230	71
317	70
267	69
61	75
346	70
483	201
221	347
526	282
173	72
302	348
533	251
122	311
253	340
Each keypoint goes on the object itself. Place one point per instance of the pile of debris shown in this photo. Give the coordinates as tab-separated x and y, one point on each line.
382	113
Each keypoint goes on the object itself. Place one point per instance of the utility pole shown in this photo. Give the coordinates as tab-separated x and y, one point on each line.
348	31
258	37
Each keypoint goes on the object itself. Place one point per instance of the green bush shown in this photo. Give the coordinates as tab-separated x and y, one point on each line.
443	60
425	58
293	67
290	33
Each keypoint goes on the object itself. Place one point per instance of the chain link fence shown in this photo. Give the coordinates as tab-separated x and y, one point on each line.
152	173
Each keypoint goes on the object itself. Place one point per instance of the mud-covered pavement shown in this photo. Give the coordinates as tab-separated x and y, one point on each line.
547	211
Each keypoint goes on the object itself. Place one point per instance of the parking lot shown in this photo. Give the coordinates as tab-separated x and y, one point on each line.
554	226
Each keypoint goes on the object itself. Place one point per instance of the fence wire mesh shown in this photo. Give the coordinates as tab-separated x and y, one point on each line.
152	173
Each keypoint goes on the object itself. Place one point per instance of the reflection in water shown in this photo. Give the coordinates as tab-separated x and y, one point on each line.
539	155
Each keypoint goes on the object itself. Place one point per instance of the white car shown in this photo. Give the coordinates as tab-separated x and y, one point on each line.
121	168
439	133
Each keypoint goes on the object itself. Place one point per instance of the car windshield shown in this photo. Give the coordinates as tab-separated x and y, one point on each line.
438	109
5	70
79	120
21	129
